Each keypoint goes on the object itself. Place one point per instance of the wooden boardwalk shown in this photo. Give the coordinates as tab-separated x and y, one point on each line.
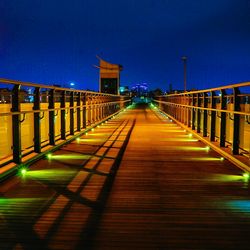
136	182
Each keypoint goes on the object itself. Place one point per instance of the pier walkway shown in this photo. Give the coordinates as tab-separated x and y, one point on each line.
139	181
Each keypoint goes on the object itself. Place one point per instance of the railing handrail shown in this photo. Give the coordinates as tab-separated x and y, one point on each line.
203	108
58	109
30	84
85	108
237	85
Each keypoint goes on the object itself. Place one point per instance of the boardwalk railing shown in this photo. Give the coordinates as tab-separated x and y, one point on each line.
35	118
221	114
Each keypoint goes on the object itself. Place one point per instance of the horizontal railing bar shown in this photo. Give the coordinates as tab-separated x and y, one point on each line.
238	85
29	84
58	109
202	108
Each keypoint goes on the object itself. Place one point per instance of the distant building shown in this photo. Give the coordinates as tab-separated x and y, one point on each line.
140	90
109	81
124	90
5	95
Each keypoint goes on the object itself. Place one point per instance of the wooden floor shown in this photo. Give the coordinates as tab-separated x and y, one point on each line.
136	182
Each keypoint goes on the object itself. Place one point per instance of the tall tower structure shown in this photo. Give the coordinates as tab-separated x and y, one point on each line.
109	78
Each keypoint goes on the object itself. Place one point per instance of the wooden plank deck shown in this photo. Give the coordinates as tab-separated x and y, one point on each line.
137	182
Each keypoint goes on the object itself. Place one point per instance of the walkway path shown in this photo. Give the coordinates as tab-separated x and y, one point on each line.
136	182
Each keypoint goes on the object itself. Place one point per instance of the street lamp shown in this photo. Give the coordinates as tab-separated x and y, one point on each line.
184	59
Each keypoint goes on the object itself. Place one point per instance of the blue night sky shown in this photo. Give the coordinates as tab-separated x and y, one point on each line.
49	41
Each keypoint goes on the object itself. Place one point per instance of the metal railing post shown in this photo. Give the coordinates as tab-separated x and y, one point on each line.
37	125
78	111
90	110
193	113
16	126
198	114
213	117
205	103
223	105
63	115
84	111
52	117
236	122
189	112
71	112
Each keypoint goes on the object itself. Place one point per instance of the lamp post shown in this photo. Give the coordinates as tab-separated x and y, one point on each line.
184	59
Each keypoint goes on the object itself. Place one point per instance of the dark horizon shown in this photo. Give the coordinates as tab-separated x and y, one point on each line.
57	42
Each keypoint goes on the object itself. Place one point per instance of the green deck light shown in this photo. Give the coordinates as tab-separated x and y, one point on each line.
207	148
246	176
92	129
23	171
222	158
49	156
78	139
190	135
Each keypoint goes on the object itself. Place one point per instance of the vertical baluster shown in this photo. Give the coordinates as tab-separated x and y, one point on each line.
193	113
198	113
78	111
213	117
205	104
84	111
16	126
223	105
71	111
236	121
63	115
52	117
37	123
